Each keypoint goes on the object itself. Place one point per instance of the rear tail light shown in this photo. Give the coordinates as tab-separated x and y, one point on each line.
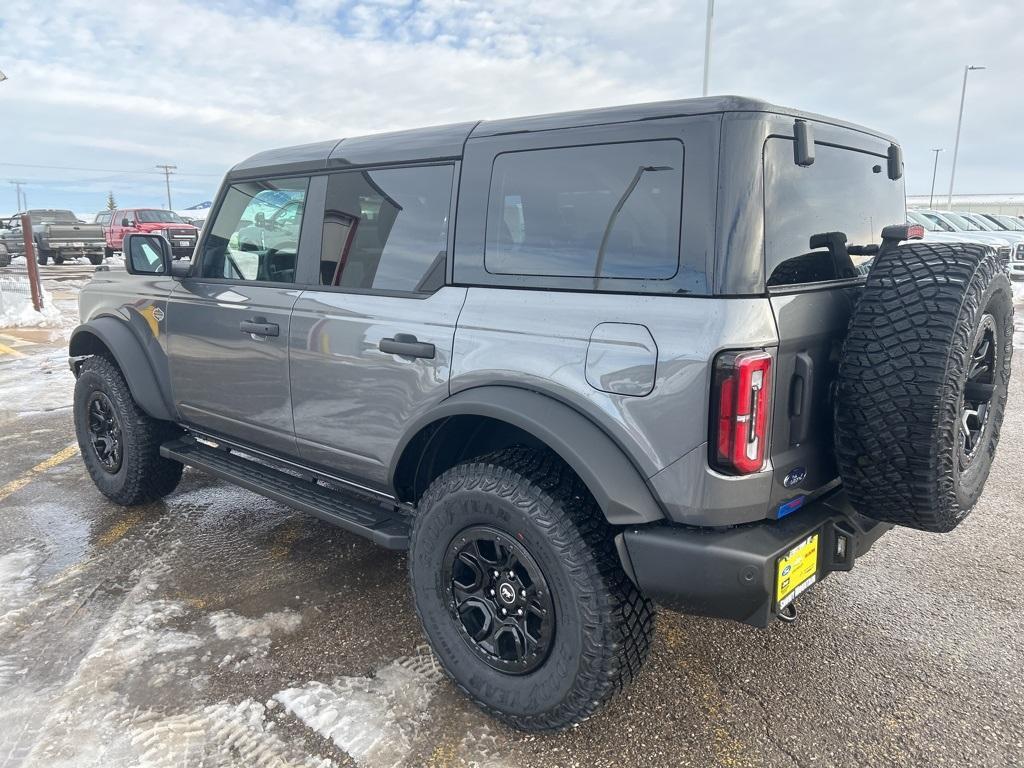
740	402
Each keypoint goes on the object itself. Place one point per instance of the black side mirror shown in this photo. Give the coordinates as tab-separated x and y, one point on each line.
125	223
147	254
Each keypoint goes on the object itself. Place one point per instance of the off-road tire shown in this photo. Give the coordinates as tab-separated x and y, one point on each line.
96	258
144	475
902	378
57	259
42	256
603	625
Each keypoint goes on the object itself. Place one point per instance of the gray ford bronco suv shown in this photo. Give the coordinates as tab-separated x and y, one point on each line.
684	353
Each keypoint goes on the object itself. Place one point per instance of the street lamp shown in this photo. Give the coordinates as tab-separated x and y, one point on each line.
935	169
956	145
707	45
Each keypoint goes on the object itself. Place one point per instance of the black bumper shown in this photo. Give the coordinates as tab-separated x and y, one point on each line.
730	573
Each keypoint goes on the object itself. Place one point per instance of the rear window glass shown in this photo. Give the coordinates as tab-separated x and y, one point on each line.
601	211
842	191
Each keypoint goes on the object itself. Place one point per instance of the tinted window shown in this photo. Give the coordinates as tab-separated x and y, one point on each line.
255	234
610	210
842	191
387	230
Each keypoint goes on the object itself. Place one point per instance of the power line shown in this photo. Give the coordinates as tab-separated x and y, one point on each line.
101	170
168	170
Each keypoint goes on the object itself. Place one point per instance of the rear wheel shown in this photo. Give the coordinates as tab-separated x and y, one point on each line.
42	256
516	580
923	382
120	444
108	253
96	258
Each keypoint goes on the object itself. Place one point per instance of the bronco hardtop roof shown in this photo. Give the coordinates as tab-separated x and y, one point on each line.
446	142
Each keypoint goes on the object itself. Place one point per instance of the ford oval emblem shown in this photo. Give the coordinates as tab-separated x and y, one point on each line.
795	477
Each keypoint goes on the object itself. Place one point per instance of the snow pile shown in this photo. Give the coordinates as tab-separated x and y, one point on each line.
228	625
16	309
374	719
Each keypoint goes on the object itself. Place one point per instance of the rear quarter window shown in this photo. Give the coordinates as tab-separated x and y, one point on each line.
598	211
844	190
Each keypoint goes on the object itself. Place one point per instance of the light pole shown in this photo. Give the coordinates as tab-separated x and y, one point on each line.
21	198
935	169
956	145
707	45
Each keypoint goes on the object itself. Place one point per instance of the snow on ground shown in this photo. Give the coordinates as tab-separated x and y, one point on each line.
374	719
152	646
16	310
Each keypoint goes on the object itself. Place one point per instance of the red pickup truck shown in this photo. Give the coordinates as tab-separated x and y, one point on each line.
125	221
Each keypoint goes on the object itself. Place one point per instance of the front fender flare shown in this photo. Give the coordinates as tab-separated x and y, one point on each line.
618	487
150	391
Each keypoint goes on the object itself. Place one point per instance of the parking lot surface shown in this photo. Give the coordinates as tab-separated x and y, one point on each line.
218	628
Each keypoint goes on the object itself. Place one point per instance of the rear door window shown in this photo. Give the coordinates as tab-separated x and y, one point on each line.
600	211
387	230
844	190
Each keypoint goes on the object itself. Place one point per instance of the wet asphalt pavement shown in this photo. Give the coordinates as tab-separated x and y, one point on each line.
217	628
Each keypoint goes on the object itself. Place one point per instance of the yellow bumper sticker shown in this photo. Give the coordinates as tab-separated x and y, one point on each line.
796	571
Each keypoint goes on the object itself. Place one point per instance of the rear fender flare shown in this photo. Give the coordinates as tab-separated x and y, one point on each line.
151	391
617	486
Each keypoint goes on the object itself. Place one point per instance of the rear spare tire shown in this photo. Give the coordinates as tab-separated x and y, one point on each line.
922	383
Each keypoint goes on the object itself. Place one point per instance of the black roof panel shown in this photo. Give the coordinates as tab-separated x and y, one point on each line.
447	141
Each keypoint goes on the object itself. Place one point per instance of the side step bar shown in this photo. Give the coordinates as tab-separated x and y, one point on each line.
380	522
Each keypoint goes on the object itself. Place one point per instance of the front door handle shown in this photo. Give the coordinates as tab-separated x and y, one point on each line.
406	345
259	326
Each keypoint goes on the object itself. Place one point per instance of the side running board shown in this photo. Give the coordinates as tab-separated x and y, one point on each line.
380	522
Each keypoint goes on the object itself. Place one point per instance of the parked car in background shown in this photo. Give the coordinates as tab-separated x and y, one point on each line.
950	222
180	234
58	235
1011	228
103	218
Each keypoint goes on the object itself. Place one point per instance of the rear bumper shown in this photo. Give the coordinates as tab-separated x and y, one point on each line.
731	573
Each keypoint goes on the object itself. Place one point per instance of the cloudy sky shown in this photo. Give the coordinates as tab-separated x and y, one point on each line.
100	92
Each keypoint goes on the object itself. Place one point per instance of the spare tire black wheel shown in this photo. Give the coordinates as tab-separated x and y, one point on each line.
922	383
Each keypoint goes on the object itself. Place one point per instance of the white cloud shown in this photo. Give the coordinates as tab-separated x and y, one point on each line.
203	84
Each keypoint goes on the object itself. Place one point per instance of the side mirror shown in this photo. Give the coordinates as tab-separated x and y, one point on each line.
125	223
147	254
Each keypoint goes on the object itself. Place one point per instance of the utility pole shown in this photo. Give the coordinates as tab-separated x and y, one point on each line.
956	145
22	202
168	170
707	45
935	169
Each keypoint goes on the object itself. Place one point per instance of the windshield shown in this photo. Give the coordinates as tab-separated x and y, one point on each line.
158	217
1008	222
940	224
919	218
983	223
961	223
52	217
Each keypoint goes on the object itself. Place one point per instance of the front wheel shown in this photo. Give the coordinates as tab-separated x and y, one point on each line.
57	258
96	258
42	257
120	444
518	585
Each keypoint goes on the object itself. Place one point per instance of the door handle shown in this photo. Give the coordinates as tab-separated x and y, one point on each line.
259	326
801	398
406	345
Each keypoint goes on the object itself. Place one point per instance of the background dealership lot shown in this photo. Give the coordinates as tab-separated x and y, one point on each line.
219	628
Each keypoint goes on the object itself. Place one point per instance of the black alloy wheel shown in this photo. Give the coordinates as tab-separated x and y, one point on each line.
976	405
105	432
499	599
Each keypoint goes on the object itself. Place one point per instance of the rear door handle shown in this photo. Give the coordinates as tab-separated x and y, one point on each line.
259	326
406	345
801	398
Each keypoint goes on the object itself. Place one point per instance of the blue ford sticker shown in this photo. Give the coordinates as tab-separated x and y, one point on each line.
795	477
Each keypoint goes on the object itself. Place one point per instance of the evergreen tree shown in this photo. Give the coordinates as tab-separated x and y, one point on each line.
111	202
